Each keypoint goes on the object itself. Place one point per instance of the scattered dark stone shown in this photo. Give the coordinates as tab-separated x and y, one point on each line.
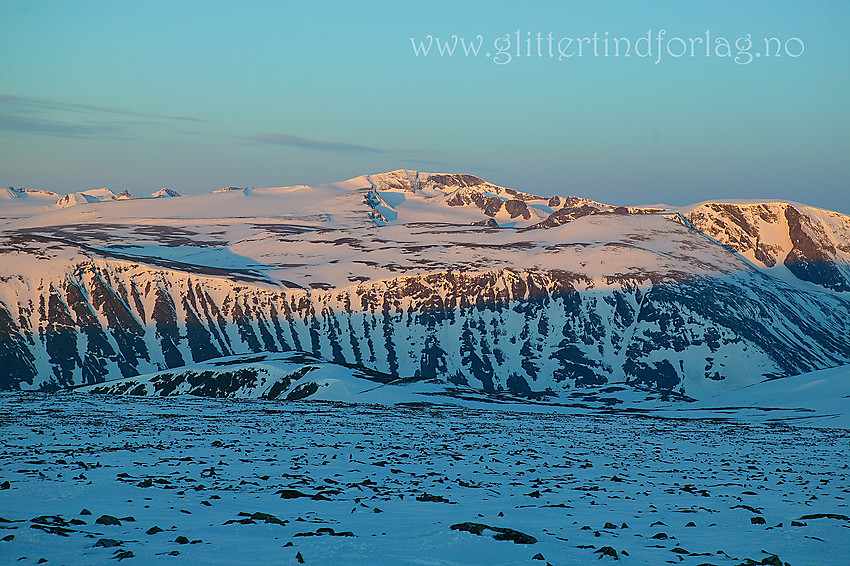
325	531
535	493
5	485
435	498
538	556
757	520
77	522
288	544
609	526
85	512
53	529
291	494
798	524
41	560
825	516
56	520
245	521
7	538
122	554
660	536
207	503
771	560
624	526
299	558
607	551
128	519
153	530
107	520
691	524
267	518
218	444
624	552
474	528
107	543
679	550
748	508
181	540
515	536
147	482
502	533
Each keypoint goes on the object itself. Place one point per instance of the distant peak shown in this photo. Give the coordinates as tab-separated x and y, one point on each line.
165	193
91	196
411	181
400	180
13	193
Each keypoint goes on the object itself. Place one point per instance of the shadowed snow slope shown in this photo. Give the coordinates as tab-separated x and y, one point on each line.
289	376
427	275
820	398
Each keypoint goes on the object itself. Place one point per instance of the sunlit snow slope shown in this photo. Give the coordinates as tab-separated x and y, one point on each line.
435	275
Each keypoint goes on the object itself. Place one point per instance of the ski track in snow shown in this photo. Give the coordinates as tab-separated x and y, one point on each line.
398	477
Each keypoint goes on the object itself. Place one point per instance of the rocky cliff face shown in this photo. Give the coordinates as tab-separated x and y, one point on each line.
513	330
812	244
697	301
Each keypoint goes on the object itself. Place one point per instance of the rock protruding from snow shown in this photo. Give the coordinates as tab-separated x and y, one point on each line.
11	193
390	272
805	242
288	376
91	196
165	193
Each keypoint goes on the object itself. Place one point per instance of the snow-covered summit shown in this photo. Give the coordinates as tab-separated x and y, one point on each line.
435	274
91	196
23	202
165	193
11	193
790	239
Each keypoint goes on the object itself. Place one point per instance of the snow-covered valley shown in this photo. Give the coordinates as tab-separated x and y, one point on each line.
414	368
86	479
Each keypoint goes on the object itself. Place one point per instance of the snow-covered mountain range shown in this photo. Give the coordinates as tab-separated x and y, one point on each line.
442	276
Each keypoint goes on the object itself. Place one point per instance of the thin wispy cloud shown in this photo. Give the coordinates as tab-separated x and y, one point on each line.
431	159
307	143
35	104
36	126
56	118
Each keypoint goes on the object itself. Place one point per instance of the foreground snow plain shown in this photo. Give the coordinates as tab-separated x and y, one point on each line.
269	482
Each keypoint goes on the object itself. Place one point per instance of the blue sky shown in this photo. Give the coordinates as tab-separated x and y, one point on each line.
200	95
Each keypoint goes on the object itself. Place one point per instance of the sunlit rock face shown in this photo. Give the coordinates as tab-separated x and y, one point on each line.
433	275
